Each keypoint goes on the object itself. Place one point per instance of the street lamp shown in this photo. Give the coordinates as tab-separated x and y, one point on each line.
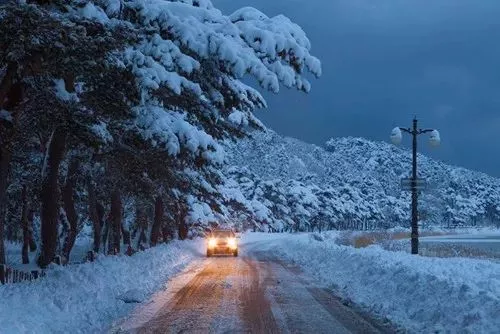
415	182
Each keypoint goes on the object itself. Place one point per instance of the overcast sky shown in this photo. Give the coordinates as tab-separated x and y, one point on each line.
385	61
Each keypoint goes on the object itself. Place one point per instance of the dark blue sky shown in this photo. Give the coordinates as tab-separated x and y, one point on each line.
387	60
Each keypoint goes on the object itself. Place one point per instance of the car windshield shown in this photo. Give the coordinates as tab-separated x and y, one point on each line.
222	234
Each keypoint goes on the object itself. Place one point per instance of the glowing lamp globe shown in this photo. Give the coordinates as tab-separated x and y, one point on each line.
434	138
396	136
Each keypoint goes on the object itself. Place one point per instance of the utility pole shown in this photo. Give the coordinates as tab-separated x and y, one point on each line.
414	193
415	184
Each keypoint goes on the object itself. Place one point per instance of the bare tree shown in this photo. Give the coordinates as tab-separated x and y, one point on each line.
116	221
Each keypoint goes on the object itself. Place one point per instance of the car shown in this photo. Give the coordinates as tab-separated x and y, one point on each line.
222	241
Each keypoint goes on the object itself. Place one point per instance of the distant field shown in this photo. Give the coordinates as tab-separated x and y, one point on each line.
466	245
359	239
475	244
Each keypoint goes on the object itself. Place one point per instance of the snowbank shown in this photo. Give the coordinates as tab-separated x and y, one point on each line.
421	294
87	298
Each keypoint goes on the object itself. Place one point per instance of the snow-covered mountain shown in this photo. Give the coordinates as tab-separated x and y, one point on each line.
352	183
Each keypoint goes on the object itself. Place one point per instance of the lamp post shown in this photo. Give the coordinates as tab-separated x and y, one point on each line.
415	182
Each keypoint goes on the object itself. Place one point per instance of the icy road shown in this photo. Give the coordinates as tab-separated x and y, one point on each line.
254	293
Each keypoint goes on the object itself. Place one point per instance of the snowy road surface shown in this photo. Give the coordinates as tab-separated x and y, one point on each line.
254	293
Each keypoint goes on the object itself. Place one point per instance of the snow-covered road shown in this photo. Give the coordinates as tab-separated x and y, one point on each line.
418	293
299	276
254	293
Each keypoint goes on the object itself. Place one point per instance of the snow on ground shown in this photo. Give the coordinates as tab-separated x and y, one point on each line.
479	243
87	298
14	253
421	294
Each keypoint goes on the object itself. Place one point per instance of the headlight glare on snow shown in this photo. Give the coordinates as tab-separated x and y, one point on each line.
231	242
212	242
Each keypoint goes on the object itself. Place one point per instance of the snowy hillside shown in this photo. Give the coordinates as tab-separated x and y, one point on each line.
353	183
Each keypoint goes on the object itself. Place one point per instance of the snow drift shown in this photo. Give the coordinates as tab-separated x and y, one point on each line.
87	298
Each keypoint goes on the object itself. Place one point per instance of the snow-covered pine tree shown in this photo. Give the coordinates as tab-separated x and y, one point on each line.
52	61
141	92
189	65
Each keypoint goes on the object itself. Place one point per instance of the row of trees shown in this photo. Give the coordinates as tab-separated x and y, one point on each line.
102	103
294	206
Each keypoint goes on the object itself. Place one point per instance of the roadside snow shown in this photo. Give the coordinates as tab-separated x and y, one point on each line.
87	298
14	254
421	294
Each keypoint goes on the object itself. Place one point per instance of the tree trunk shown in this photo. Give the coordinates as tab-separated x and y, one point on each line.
181	218
31	240
142	239
6	84
95	217
116	220
5	156
25	226
109	236
105	234
183	231
142	225
100	217
50	197
126	235
165	232
155	230
69	207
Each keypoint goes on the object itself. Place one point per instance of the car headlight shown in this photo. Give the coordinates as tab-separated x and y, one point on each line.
212	242
231	242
